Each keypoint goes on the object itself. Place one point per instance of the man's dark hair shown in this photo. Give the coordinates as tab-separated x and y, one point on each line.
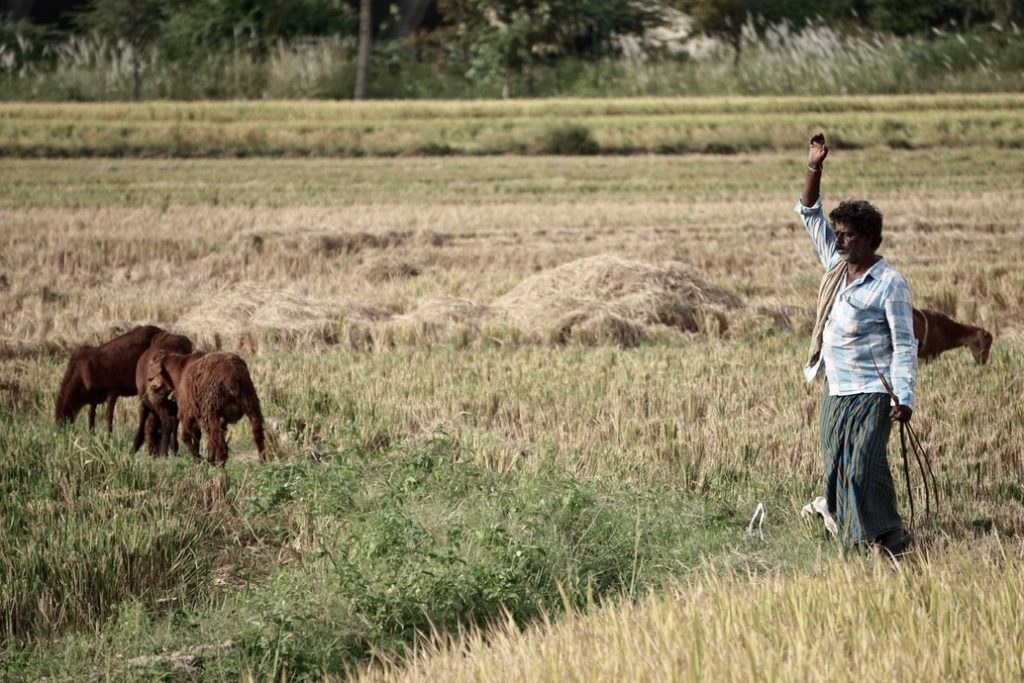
861	217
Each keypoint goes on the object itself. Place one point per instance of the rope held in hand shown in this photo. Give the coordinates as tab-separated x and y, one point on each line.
907	433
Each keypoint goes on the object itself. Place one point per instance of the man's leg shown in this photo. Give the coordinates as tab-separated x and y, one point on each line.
872	491
858	483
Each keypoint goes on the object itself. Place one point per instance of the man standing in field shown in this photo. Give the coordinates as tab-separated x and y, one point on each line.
863	338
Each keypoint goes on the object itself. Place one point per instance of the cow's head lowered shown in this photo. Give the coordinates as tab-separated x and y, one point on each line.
937	333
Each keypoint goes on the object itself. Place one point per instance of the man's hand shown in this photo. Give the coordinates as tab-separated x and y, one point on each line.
901	413
815	158
818	151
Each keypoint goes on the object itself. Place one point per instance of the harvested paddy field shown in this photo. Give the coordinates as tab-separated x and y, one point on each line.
535	395
715	125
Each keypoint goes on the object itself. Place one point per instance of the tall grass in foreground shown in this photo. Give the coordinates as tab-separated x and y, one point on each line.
950	616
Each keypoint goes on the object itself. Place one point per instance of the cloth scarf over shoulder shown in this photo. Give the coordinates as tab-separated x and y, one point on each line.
827	291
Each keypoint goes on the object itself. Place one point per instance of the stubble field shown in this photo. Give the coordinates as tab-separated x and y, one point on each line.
449	456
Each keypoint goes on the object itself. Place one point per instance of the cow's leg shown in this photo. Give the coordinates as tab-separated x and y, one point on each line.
168	428
216	441
154	431
140	431
191	435
111	401
171	427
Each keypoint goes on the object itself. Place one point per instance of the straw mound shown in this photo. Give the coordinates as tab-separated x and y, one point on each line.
608	298
597	300
447	310
235	317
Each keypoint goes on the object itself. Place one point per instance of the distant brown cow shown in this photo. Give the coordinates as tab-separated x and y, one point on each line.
102	373
937	333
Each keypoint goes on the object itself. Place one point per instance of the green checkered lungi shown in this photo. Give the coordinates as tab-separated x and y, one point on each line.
858	483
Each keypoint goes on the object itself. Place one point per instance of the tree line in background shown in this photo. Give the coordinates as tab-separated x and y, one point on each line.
482	47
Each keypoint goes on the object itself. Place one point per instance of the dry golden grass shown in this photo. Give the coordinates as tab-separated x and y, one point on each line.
158	251
951	617
279	261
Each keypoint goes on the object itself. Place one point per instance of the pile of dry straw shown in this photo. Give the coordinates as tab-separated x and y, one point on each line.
597	300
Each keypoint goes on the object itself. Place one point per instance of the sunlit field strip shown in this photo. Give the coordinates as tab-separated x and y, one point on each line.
224	112
440	128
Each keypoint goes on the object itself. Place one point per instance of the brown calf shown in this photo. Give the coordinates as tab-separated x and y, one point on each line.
213	390
158	412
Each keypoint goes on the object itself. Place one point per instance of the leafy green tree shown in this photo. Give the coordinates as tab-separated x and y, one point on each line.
136	22
204	25
725	19
904	17
511	38
722	19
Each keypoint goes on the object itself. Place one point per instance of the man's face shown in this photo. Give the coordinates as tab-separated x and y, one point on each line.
852	246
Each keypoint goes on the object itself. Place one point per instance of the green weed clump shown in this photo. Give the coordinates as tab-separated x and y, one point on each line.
425	540
569	139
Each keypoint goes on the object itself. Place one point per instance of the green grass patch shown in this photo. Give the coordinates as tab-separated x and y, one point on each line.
363	553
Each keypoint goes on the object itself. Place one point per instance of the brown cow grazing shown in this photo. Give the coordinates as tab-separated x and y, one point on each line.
213	390
158	414
102	373
937	333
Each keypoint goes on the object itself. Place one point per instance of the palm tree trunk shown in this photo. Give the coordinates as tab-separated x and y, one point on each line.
365	40
737	46
136	72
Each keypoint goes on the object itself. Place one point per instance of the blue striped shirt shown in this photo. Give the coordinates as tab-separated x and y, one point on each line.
870	328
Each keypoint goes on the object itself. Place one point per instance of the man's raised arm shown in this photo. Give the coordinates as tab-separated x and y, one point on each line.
809	207
816	154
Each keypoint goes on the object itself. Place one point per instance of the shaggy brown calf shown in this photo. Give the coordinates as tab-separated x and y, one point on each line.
158	412
102	373
937	333
213	390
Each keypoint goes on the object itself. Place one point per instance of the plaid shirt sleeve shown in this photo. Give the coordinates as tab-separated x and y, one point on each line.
820	231
900	316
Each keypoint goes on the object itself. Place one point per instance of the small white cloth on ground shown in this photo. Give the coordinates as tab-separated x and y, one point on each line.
819	506
758	518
